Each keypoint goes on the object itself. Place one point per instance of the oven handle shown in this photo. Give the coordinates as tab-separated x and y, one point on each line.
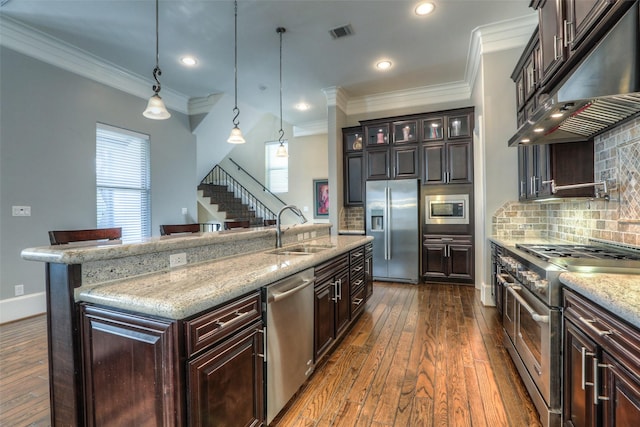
503	281
535	316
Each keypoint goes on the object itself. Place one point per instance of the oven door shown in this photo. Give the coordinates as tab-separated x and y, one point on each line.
537	342
505	281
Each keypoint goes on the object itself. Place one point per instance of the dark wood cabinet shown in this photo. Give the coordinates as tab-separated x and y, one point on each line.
220	353
226	385
377	160
601	366
405	162
332	307
368	269
552	52
447	258
354	167
124	353
447	163
354	179
566	164
357	280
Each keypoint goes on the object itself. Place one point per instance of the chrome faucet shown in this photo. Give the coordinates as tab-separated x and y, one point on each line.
293	209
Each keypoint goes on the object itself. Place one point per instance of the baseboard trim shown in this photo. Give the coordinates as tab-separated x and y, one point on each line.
485	295
21	307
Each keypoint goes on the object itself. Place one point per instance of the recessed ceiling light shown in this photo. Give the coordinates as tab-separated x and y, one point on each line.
302	106
189	61
425	8
383	65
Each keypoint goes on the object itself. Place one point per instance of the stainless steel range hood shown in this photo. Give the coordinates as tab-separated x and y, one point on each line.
602	91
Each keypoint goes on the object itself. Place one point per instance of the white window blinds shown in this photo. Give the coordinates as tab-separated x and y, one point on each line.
277	168
123	182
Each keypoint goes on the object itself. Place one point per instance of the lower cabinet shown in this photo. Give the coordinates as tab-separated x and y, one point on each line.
204	371
332	307
601	366
226	383
368	269
131	369
447	258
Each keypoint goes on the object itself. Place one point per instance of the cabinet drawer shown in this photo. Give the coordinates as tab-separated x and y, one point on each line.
358	301
368	248
210	328
357	282
606	329
329	268
356	255
446	239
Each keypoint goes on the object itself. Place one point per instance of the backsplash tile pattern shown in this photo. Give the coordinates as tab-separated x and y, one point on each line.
617	160
352	219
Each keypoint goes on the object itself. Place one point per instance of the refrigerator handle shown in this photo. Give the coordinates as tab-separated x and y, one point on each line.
387	239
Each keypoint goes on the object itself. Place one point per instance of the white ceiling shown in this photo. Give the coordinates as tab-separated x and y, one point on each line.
425	51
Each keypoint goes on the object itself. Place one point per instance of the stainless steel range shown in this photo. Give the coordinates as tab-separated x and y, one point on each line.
529	294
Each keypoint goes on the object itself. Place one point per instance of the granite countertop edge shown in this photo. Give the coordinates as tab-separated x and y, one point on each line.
183	292
617	293
79	253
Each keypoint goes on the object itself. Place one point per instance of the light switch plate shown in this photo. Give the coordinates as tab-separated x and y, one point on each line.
21	210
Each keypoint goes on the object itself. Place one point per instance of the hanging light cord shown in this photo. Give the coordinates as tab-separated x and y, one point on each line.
281	30
156	70
236	110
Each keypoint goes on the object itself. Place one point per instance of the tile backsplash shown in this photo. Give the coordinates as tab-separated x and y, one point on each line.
617	160
352	219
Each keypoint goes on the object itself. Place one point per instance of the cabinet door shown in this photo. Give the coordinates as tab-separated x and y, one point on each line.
125	353
378	163
522	172
543	171
579	353
459	163
530	74
405	132
433	163
354	179
434	260
377	134
582	15
550	20
226	383
324	318
343	302
368	275
405	162
621	388
460	261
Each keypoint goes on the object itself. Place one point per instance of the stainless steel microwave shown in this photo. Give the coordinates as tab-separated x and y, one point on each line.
447	209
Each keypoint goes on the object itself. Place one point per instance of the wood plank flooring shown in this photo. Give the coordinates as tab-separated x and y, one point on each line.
419	356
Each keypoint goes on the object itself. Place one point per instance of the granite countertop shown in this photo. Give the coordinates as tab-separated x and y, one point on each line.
184	291
618	293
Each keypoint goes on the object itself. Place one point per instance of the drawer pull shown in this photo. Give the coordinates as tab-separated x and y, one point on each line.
358	268
357	283
238	316
589	324
357	255
357	301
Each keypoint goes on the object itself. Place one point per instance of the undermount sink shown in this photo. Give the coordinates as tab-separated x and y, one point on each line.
300	250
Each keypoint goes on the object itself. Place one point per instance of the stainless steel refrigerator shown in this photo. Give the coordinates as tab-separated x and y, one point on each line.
392	220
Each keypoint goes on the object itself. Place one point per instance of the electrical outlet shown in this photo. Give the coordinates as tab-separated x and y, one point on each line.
19	290
185	211
21	210
176	260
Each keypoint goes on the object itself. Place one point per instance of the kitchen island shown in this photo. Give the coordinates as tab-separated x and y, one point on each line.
128	333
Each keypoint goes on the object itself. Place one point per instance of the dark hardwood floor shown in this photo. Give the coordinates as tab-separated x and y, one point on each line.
419	356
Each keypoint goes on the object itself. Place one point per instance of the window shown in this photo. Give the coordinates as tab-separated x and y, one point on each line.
122	181
277	168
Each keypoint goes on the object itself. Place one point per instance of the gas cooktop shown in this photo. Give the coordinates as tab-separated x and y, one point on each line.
587	258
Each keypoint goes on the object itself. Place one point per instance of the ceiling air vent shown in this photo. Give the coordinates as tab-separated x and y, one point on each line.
339	32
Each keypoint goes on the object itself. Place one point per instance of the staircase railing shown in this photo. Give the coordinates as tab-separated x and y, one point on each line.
218	176
265	189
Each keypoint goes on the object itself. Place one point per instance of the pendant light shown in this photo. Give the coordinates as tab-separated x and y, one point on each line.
236	134
282	150
155	108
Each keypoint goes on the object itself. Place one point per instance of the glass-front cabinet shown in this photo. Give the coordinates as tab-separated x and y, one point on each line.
377	134
405	132
432	129
459	127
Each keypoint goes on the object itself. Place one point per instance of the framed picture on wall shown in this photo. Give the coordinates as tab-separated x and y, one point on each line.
321	198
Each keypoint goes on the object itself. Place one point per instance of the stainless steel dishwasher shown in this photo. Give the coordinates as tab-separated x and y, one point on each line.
289	318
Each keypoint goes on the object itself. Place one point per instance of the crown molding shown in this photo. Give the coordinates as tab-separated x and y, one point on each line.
36	44
319	127
336	96
414	97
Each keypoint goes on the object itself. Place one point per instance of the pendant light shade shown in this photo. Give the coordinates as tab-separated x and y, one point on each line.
156	109
282	150
236	134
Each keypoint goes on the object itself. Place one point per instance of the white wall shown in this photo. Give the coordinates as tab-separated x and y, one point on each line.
48	120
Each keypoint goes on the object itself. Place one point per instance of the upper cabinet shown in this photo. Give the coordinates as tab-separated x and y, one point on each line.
434	147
